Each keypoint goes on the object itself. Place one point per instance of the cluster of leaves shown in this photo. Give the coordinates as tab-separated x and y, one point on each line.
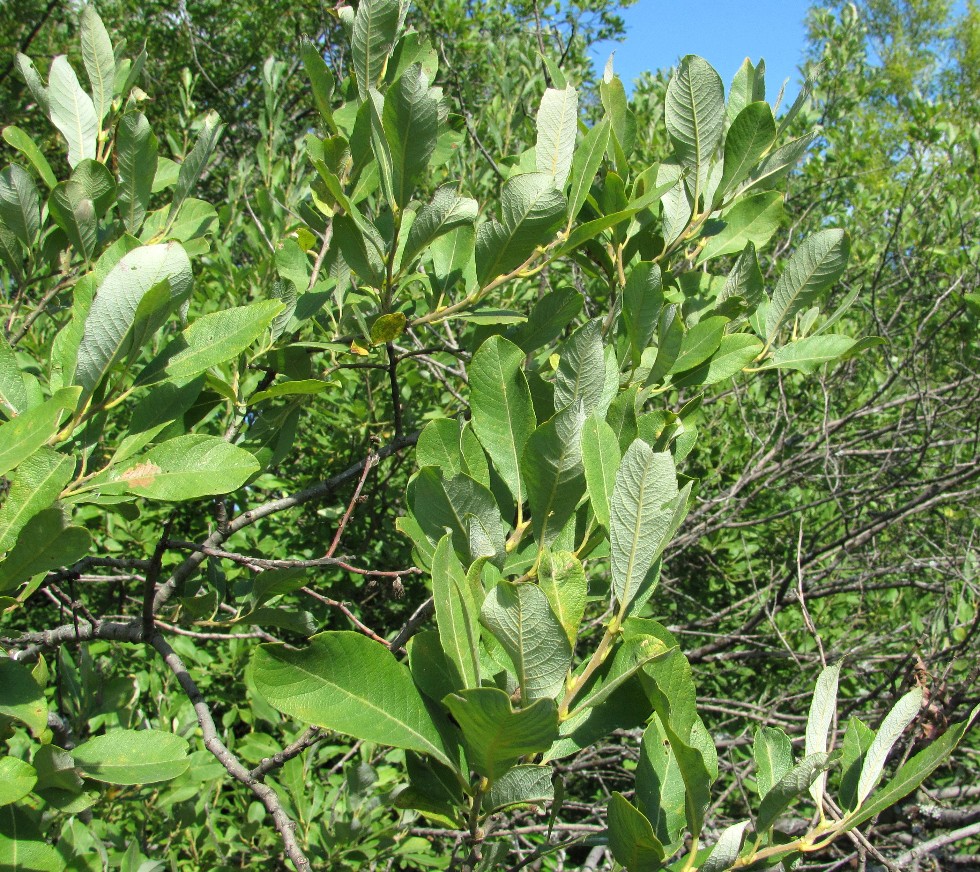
595	296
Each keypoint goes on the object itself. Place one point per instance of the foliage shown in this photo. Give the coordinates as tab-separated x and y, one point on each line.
557	320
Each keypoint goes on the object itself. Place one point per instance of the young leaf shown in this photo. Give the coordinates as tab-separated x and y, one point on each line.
133	757
585	165
788	788
551	466
188	467
751	220
99	60
773	754
640	516
38	482
631	837
446	212
748	86
890	731
724	854
521	786
600	459
561	578
814	267
195	162
20	203
557	125
751	135
72	111
345	682
502	411
521	619
822	709
913	772
456	613
136	153
495	735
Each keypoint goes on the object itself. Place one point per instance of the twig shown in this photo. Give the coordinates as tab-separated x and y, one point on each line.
265	794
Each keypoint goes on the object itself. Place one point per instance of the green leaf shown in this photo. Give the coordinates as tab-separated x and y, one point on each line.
631	837
585	165
439	445
17	779
113	313
745	279
188	467
581	376
640	516
814	267
46	542
561	578
748	86
779	162
33	81
362	248
322	81
913	772
694	112
23	435
99	60
20	203
557	126
531	210
805	355
501	407
72	111
18	139
553	474
440	504
346	682
220	336
37	484
549	317
600	459
380	147
75	214
376	25
194	163
411	127
521	619
643	298
773	754
21	697
622	121
446	212
660	788
136	153
133	757
857	739
724	854
823	706
788	788
521	786
752	219
736	351
751	135
456	614
890	731
699	343
297	387
495	735
22	847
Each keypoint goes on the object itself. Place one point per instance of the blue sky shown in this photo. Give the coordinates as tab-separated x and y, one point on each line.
659	32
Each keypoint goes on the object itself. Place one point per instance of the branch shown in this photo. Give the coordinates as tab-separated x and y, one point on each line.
265	794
